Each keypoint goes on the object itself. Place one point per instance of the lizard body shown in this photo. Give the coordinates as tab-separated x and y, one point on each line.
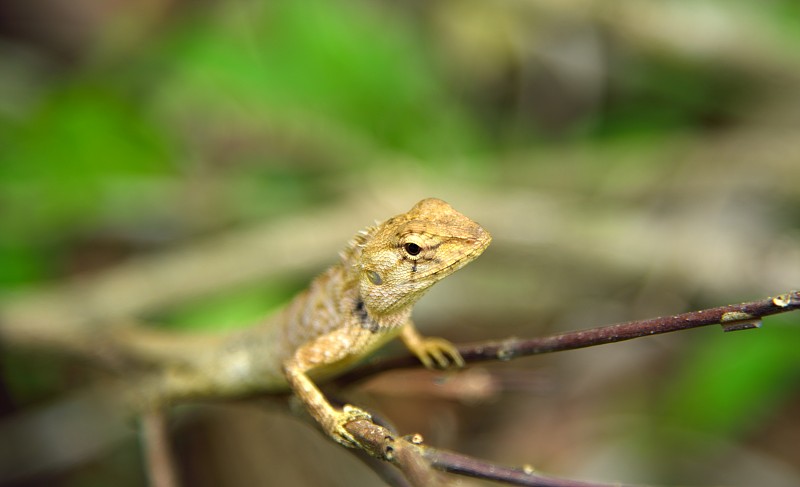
347	312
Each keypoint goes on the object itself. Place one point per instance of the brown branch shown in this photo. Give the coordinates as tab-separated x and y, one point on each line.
474	467
732	317
417	461
381	443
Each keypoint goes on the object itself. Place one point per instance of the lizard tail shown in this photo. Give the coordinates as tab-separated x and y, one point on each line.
160	347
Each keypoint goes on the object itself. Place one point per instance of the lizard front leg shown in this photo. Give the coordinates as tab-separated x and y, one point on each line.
325	351
332	420
432	352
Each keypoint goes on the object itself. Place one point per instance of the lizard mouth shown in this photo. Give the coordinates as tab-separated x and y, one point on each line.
476	247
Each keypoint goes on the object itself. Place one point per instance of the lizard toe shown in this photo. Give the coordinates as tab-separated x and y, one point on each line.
439	353
347	415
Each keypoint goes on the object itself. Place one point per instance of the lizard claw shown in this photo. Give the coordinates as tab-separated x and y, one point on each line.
336	427
438	353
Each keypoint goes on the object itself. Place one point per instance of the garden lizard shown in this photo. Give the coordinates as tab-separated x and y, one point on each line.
346	313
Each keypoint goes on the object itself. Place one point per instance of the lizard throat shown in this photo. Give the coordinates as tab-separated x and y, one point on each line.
367	322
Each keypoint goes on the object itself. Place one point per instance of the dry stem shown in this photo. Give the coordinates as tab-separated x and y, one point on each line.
733	317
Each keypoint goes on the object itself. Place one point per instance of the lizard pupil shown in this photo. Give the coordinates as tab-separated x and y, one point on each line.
412	248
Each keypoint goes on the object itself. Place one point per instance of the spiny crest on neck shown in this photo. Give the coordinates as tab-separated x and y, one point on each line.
350	255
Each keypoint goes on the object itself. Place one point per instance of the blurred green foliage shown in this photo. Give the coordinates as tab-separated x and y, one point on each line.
233	309
74	159
363	70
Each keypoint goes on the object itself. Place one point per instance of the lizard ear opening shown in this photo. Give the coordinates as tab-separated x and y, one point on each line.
374	278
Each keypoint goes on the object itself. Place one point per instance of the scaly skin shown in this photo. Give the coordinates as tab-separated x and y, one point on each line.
346	313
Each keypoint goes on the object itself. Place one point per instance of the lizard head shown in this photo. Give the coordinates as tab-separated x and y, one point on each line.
405	255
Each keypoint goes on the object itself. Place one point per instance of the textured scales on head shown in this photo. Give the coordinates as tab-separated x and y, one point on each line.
395	262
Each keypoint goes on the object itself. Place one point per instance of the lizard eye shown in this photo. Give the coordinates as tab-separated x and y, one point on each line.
412	249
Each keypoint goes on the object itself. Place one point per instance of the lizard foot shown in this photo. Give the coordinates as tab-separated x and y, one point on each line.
336	426
438	353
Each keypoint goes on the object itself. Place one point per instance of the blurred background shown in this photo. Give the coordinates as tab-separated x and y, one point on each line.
195	163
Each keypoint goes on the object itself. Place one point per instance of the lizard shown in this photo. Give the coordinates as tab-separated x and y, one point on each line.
346	313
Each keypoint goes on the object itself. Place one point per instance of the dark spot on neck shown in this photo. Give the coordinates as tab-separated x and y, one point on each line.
364	319
361	311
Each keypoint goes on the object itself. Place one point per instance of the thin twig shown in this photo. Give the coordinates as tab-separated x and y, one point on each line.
158	453
474	467
417	460
733	317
